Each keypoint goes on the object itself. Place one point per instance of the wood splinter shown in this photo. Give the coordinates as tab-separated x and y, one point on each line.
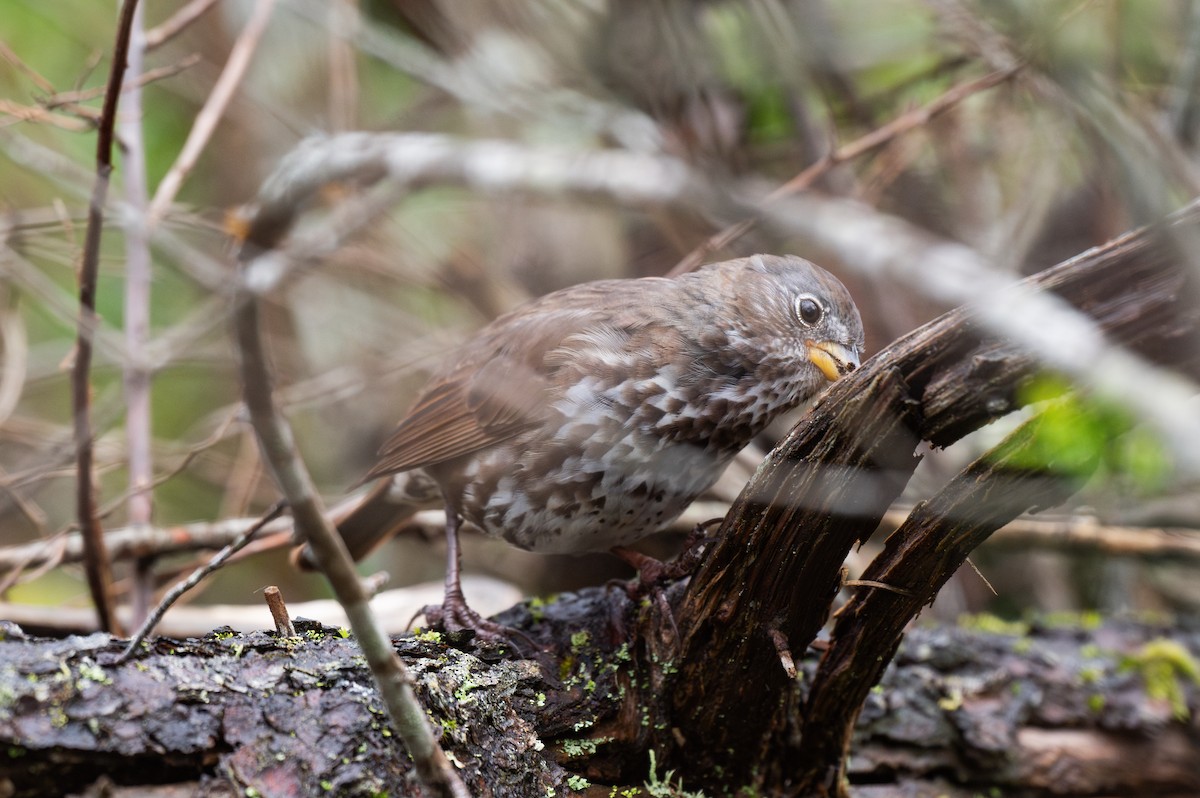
275	603
784	651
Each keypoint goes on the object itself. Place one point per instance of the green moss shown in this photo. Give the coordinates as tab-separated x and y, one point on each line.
90	671
463	693
1162	663
1096	702
578	783
993	624
1088	620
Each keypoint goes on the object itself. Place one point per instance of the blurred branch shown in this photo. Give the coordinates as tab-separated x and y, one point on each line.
25	69
138	276
1152	164
477	84
214	108
1184	90
396	607
869	142
99	569
177	23
409	161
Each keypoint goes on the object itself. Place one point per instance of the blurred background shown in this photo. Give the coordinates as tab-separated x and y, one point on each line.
1093	133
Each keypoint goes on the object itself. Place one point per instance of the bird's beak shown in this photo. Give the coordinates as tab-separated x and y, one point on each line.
833	359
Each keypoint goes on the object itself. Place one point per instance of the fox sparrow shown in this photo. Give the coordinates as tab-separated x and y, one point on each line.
593	416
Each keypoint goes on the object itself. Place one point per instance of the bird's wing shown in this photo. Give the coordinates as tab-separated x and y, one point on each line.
497	388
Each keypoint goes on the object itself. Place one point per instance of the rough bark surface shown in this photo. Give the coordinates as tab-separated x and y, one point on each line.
1063	710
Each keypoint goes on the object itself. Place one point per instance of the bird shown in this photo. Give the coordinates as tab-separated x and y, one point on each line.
593	416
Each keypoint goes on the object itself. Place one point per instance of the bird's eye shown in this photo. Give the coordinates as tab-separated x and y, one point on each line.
808	310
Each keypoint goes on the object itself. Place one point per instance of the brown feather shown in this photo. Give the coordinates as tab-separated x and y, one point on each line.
490	392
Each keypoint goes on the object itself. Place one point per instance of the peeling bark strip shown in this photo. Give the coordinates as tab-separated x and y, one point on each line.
777	559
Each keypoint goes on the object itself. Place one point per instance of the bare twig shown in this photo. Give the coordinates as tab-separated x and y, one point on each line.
71	99
214	107
33	113
19	64
265	230
279	611
99	570
177	23
871	141
193	580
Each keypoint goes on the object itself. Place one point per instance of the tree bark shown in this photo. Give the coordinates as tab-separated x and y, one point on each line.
1073	710
765	589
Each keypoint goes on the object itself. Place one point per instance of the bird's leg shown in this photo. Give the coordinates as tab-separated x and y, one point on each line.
656	573
454	616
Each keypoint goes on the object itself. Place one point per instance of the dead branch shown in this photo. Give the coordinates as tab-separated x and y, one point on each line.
826	487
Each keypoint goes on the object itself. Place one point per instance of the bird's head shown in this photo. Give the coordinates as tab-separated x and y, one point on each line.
798	318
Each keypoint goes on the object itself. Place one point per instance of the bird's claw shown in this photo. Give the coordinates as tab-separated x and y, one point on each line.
462	625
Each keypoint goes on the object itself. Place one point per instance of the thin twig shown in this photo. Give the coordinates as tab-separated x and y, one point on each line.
19	64
214	108
193	580
72	99
99	569
871	141
180	20
38	115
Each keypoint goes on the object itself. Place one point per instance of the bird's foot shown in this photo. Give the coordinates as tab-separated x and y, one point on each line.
460	624
656	574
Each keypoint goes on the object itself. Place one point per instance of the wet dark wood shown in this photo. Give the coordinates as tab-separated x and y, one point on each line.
776	565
